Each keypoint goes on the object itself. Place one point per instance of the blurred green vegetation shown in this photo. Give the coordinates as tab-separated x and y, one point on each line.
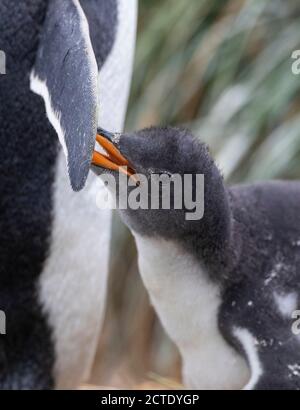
223	69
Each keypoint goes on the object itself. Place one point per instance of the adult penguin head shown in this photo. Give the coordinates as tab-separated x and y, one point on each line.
72	46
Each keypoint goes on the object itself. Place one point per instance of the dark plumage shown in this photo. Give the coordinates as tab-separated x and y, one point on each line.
29	150
27	172
248	243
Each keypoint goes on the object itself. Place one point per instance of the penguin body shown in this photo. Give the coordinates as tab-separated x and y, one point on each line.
259	307
54	263
187	304
224	286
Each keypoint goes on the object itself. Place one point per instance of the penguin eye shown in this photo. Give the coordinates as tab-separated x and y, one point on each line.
168	173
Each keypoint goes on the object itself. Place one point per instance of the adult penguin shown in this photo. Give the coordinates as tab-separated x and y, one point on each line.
53	256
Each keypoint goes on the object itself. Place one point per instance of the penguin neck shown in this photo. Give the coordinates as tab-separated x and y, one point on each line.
210	240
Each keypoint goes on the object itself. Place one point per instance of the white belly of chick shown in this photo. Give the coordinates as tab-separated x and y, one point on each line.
187	303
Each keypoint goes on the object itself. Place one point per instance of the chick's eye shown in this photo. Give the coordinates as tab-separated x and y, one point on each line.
167	173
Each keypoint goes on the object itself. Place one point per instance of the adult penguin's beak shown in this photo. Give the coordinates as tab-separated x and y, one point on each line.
66	76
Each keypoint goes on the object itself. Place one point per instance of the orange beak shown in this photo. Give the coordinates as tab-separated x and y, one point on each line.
113	159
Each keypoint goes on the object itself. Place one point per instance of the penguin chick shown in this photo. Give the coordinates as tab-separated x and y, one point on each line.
225	286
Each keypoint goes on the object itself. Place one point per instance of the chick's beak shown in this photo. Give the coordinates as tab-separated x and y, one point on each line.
112	159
